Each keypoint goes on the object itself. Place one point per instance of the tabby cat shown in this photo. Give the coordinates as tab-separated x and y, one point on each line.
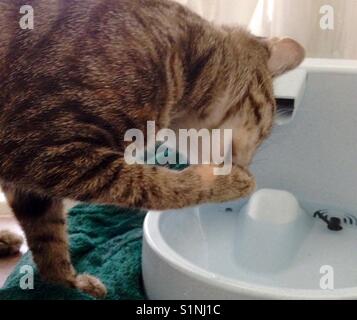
89	71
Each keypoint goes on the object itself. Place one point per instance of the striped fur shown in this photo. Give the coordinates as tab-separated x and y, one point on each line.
91	70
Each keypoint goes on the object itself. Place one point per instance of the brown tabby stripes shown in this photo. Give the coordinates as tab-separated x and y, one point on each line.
91	70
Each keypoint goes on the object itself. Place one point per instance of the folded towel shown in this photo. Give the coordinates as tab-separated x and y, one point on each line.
106	242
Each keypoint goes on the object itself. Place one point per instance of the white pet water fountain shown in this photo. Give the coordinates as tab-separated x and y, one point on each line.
296	237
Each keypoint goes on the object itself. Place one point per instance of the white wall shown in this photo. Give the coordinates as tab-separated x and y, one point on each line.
299	19
223	11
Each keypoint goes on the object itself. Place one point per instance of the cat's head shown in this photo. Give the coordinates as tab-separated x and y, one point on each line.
252	116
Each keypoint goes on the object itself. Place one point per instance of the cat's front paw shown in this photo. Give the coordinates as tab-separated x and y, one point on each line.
240	183
91	285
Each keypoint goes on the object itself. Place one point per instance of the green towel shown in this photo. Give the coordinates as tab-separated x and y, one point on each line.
106	242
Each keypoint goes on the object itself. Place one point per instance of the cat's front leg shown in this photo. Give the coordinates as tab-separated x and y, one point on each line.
43	221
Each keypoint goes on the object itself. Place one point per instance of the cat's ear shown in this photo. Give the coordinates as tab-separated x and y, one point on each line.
285	55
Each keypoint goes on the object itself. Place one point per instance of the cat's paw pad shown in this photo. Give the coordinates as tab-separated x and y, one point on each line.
10	243
91	285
